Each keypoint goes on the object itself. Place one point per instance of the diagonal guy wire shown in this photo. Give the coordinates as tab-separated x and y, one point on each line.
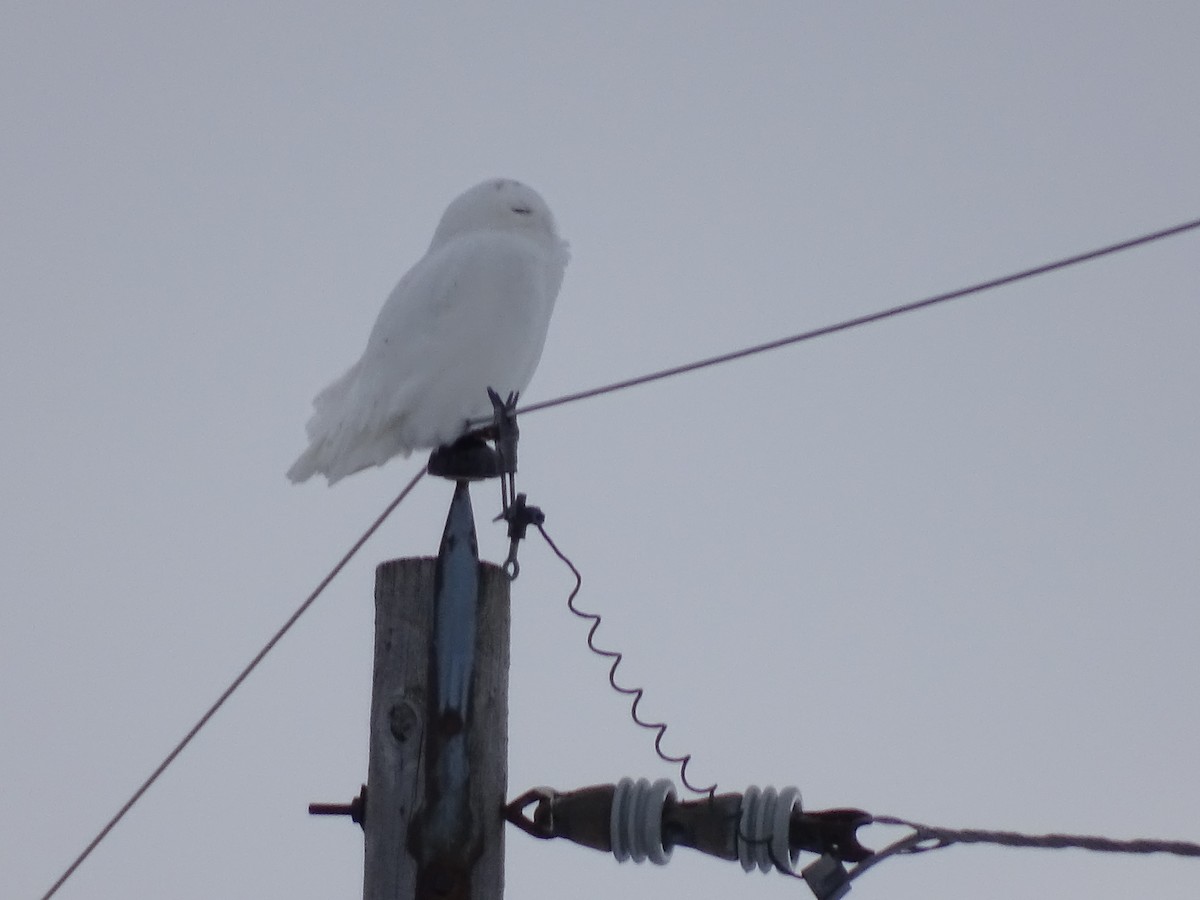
934	838
931	837
233	686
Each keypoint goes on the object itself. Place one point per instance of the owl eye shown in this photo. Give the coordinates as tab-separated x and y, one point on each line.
521	210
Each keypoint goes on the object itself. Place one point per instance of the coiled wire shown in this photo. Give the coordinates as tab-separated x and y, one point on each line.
660	728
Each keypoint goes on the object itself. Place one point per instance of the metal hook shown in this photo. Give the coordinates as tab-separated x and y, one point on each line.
541	826
511	567
519	516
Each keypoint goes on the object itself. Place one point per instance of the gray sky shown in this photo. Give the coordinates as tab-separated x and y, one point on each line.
942	567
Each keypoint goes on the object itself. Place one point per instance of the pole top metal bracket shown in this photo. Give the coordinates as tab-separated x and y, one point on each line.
470	458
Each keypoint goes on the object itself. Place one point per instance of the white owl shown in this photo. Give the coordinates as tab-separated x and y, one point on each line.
471	314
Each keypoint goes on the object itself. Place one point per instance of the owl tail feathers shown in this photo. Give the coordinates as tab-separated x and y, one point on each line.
336	451
344	438
323	448
308	465
322	458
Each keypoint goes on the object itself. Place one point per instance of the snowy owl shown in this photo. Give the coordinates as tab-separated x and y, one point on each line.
471	314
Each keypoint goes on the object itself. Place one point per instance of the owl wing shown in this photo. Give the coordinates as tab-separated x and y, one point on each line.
471	314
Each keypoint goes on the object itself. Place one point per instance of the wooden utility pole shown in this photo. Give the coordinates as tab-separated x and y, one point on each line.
439	723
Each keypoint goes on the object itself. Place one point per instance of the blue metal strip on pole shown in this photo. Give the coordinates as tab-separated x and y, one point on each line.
455	601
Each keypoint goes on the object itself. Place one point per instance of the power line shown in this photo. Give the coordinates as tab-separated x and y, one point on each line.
233	686
584	395
864	319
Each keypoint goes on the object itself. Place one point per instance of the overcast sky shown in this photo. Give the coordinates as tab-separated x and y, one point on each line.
943	567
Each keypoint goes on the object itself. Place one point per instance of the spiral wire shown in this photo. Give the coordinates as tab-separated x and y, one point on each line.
635	692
